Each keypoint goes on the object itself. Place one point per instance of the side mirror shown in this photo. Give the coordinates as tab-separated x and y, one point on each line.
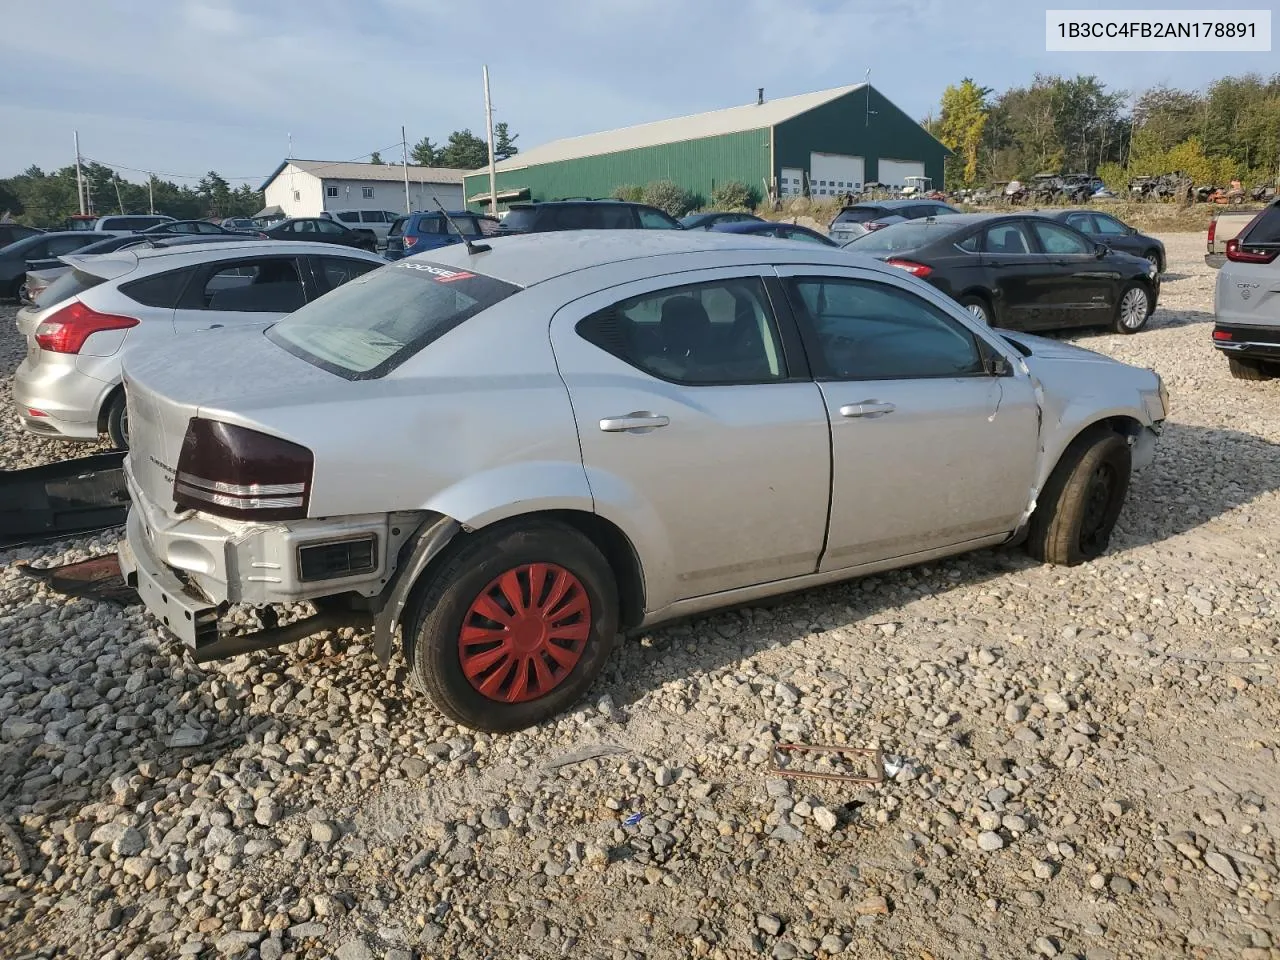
997	365
1100	250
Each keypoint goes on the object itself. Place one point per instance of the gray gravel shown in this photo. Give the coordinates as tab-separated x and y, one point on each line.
1084	761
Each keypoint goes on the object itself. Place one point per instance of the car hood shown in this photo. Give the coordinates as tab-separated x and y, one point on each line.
1046	348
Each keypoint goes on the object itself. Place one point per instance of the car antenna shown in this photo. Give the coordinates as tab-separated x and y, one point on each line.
471	247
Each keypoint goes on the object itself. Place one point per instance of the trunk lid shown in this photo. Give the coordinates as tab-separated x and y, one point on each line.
167	386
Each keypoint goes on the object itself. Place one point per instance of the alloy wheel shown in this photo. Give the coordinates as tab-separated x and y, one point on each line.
1133	308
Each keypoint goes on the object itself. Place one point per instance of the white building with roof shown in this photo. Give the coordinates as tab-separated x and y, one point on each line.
307	188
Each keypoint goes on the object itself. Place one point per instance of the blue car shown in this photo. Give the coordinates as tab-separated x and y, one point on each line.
768	228
416	232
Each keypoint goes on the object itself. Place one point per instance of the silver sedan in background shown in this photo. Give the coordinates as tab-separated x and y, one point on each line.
109	305
509	453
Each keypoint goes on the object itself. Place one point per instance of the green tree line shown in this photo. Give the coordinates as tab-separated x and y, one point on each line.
1056	124
47	199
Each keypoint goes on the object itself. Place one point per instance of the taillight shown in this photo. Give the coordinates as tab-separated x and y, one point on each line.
410	241
66	330
916	269
1222	334
1237	255
242	474
1213	231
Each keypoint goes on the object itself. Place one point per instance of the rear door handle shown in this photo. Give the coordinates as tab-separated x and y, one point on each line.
638	420
867	409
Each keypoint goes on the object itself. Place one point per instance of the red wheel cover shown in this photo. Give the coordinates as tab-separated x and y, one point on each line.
525	632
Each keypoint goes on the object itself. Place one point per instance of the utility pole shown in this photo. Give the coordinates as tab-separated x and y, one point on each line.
115	182
493	173
79	176
151	193
404	149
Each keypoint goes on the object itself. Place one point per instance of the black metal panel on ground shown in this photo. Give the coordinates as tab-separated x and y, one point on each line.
62	499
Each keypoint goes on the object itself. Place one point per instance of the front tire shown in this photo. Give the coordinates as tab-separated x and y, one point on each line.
1079	506
514	626
1133	309
1248	369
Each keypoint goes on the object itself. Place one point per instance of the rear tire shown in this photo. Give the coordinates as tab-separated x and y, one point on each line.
118	421
979	307
1153	258
1132	309
1248	369
514	626
1079	506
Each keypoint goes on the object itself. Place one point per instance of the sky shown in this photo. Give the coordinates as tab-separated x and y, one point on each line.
181	87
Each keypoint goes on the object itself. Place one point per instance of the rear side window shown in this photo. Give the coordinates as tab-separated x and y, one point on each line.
349	216
721	332
1266	229
374	323
70	284
429	225
371	216
163	290
1008	239
258	285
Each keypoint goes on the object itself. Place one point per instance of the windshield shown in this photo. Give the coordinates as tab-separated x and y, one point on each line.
372	324
907	235
858	214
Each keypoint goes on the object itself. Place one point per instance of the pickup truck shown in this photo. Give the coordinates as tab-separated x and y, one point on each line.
1223	227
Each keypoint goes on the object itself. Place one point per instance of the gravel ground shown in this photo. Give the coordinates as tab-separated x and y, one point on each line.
1086	758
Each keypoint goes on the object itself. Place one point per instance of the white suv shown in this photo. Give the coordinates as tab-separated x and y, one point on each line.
1246	300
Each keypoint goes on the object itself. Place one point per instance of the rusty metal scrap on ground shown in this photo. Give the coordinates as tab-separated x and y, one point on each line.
875	754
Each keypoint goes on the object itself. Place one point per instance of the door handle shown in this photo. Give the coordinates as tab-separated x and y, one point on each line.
867	409
637	420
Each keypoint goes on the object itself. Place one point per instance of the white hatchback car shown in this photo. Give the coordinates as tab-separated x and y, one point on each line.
107	305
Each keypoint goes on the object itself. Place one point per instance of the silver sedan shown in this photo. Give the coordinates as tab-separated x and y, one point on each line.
501	457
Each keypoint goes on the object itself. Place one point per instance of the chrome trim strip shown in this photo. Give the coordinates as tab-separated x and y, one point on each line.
243	489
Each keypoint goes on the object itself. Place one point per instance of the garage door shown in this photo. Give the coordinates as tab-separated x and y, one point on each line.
831	174
895	172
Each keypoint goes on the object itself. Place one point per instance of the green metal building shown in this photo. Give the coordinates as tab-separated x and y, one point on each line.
819	144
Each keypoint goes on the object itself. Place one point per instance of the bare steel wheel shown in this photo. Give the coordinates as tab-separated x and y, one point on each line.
513	625
1079	505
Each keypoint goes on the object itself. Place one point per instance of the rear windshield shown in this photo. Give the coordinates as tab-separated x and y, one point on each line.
67	285
519	220
858	214
397	228
1265	229
907	235
372	324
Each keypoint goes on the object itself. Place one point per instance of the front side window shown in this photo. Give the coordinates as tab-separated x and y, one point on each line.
373	323
1059	241
1010	239
865	330
349	216
1108	226
719	332
366	192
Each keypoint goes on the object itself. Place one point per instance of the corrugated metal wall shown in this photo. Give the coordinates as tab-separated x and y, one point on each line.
843	126
697	165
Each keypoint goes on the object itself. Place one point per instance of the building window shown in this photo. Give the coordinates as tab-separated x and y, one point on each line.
297	196
367	192
331	192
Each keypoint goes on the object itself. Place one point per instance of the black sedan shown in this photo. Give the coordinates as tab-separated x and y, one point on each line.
321	230
1104	228
1021	271
192	228
767	228
705	221
17	258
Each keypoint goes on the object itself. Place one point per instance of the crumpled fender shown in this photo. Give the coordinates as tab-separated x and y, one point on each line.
432	536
